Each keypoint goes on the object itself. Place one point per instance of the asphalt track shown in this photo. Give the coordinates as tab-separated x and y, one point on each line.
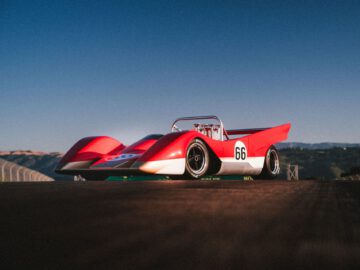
180	225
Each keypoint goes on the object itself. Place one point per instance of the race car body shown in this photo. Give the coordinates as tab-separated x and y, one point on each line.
203	149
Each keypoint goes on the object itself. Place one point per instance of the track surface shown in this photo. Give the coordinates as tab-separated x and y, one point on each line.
180	225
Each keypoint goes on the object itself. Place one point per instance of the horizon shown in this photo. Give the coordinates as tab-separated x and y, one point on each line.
71	69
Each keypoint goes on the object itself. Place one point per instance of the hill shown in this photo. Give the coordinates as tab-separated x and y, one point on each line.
315	146
321	163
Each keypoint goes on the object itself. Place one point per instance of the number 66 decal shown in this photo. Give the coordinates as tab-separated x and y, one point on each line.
240	152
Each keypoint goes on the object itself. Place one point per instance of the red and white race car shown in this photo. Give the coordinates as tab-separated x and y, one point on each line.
205	148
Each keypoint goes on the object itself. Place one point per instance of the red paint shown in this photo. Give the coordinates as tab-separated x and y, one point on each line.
140	146
92	148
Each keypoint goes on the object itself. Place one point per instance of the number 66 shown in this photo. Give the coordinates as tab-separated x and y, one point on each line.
240	153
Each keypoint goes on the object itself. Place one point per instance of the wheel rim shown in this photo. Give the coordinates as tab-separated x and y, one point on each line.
196	158
274	162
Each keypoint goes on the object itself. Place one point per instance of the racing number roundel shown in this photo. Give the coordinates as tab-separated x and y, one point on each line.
240	152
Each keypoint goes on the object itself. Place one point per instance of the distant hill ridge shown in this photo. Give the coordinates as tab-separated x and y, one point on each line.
313	146
29	153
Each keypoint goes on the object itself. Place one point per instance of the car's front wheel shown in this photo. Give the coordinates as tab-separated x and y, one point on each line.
197	159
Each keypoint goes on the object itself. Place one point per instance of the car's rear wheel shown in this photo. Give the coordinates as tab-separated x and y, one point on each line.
197	159
271	167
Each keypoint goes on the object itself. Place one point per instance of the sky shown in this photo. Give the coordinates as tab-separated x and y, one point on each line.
71	69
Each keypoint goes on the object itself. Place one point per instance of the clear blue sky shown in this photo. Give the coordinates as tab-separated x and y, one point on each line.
69	69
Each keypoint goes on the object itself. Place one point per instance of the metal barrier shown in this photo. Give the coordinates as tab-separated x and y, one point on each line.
12	172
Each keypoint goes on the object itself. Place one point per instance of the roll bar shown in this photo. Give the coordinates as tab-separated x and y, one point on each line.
206	117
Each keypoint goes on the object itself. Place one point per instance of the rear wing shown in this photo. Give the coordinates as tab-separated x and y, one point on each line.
277	133
245	131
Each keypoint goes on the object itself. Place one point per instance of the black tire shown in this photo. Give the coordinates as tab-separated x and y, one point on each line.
271	167
197	159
